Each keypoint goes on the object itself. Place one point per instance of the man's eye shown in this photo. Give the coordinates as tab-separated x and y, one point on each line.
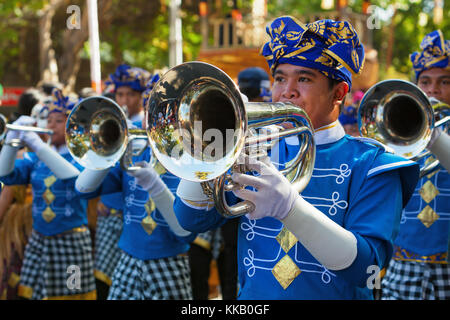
303	79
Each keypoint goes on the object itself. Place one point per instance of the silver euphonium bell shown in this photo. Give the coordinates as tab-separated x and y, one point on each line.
97	135
399	114
198	124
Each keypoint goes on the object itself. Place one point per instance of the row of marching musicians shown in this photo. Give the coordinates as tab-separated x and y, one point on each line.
118	265
316	244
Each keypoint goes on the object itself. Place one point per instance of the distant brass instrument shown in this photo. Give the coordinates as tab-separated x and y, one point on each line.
97	134
399	114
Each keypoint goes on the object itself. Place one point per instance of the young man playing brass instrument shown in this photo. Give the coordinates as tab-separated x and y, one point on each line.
318	244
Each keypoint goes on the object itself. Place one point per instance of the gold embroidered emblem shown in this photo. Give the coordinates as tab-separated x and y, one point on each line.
285	271
150	206
48	196
286	239
428	216
49	181
428	191
48	215
148	224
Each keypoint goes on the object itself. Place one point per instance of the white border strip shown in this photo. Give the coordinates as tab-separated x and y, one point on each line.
387	166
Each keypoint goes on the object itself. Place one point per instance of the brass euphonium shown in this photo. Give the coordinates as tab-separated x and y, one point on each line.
399	114
196	103
97	134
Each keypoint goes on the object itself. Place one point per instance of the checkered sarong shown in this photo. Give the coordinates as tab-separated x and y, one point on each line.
405	280
107	253
158	279
53	264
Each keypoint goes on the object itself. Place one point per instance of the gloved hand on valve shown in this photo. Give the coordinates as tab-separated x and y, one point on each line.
150	181
60	167
439	145
17	134
274	195
148	178
331	244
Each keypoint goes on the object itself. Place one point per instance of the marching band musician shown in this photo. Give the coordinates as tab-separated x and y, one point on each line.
128	84
15	211
154	263
60	238
317	245
419	268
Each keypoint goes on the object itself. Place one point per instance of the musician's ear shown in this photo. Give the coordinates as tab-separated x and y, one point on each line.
340	92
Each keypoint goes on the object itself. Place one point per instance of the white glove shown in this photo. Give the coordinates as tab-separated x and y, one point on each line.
331	244
8	156
17	134
33	141
192	195
148	178
164	203
435	134
274	195
439	145
89	180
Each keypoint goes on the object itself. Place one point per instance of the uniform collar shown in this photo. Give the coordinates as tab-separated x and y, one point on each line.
330	133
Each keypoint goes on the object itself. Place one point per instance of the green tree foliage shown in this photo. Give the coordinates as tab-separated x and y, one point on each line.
137	32
412	21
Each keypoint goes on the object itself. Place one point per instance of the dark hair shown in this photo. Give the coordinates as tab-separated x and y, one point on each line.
250	81
27	101
110	95
251	92
47	87
332	83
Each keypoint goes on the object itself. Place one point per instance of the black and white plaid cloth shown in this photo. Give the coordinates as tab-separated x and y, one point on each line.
58	267
107	253
158	279
405	280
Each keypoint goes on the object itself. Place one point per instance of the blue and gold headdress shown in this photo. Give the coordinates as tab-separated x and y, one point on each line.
148	90
435	53
331	47
135	78
60	103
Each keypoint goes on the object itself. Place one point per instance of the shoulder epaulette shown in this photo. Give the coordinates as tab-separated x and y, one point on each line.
375	143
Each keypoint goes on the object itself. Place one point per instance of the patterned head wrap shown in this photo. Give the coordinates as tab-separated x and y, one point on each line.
126	76
148	90
60	103
435	53
331	47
